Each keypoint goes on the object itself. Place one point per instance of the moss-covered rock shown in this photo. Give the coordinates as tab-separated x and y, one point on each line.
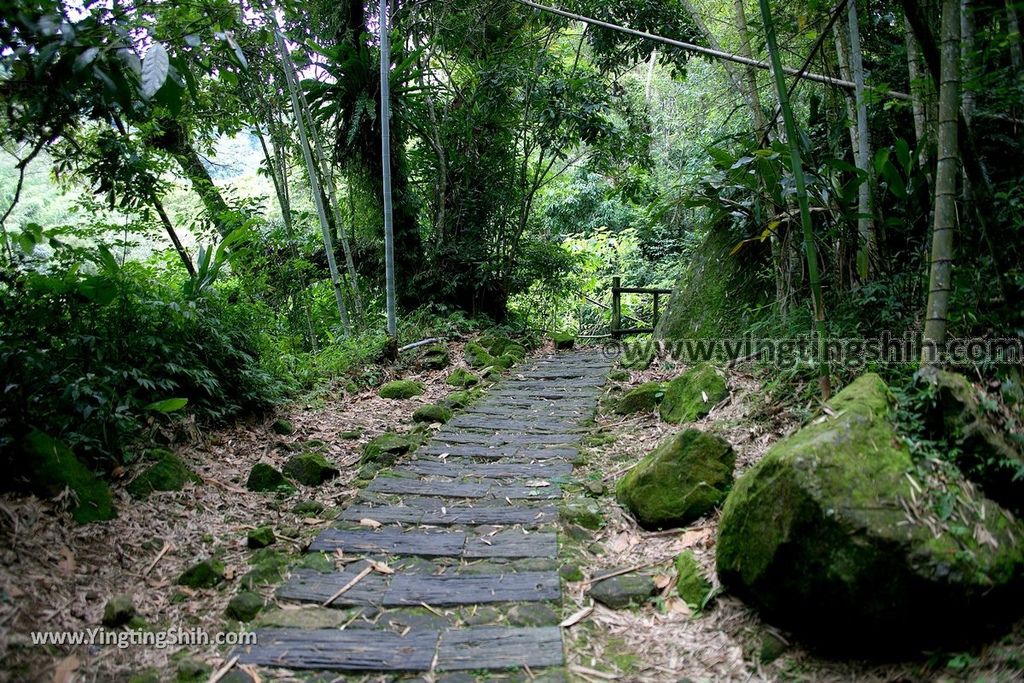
477	356
462	378
582	512
435	357
191	670
260	537
432	413
351	434
53	467
984	452
263	477
167	473
818	536
308	508
282	426
311	469
624	590
684	478
385	449
643	399
691	585
401	389
119	610
460	399
205	574
638	356
619	375
693	394
266	566
563	341
244	606
320	562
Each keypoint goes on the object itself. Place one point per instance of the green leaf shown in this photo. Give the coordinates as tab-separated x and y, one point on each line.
168	405
154	70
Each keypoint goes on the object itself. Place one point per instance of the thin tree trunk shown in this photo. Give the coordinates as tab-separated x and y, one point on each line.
749	72
917	88
793	134
1013	35
169	227
867	246
940	276
385	152
651	63
325	226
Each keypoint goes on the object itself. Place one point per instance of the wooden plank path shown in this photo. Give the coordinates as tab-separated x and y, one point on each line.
466	520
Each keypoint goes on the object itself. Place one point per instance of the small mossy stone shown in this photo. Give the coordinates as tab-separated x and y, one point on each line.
625	590
282	426
205	574
435	358
684	478
267	566
619	375
691	585
192	670
432	413
167	473
308	508
462	399
594	488
313	445
643	399
693	394
817	538
351	434
482	615
571	573
772	647
263	477
582	512
261	537
401	389
462	378
385	449
563	341
477	356
311	469
244	606
53	468
319	562
119	610
146	676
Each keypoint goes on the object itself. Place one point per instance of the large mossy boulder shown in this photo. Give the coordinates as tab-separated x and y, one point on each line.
167	473
984	453
830	535
401	389
53	468
263	477
435	357
311	469
687	476
693	394
643	399
385	449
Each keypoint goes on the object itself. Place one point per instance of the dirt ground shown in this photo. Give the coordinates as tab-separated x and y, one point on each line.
665	640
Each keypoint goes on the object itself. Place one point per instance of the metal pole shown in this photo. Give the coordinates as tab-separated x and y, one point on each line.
385	152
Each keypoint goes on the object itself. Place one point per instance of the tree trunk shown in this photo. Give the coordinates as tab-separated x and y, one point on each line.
172	233
1013	35
749	72
940	275
867	245
793	134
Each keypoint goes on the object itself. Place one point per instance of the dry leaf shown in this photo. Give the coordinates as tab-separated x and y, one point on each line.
66	668
538	483
67	562
704	395
662	580
576	617
381	568
372	523
678	606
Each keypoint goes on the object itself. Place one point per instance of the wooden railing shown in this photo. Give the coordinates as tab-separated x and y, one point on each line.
617	291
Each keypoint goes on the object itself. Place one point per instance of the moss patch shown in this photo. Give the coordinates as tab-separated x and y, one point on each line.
432	413
53	467
401	389
462	378
643	399
563	341
691	585
205	574
692	395
311	469
435	357
263	477
167	473
282	426
244	606
385	449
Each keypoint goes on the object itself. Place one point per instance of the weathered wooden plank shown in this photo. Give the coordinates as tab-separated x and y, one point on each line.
336	650
546	470
511	543
414	588
421	487
470	589
392	541
514	422
496	647
508	451
452	515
